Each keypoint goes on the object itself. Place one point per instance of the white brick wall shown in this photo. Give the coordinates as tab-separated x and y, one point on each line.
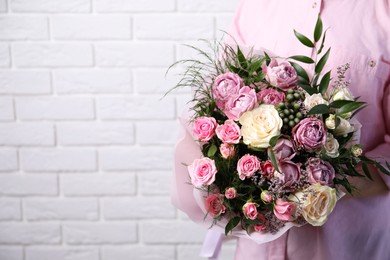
86	142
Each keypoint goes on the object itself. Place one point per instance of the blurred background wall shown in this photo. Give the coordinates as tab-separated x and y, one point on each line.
86	140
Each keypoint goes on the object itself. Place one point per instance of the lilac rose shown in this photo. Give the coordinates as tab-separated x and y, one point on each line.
310	134
281	75
320	171
226	85
270	96
240	103
284	149
290	172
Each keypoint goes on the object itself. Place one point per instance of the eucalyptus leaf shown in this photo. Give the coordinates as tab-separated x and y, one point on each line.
300	71
318	30
303	59
340	103
319	109
366	171
322	43
212	150
304	40
241	58
324	84
321	63
381	168
267	58
308	89
232	224
273	140
273	159
350	107
303	81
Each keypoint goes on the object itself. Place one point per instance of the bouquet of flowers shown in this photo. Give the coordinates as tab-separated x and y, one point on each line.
278	140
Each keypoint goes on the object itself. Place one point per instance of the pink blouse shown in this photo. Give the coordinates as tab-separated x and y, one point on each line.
359	34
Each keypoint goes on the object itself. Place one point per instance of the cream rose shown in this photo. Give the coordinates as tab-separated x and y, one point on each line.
342	94
330	122
314	100
319	203
344	127
260	125
331	146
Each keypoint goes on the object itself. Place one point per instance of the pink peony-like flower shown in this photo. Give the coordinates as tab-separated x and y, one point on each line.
214	205
247	166
266	196
270	96
281	75
202	171
250	210
231	193
238	104
229	132
260	227
204	127
290	172
267	169
227	150
310	134
226	85
284	149
320	171
284	210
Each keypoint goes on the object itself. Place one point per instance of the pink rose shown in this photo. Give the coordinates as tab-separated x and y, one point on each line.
260	227
204	127
231	193
229	132
266	196
214	205
227	150
281	75
320	171
270	96
250	210
202	172
224	86
267	169
310	134
284	149
290	172
284	210
247	166
238	104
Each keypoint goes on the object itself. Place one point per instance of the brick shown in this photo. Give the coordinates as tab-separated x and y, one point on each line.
137	158
8	159
182	105
139	252
52	6
112	133
60	209
52	55
167	133
205	6
26	134
173	27
29	233
94	81
100	233
154	182
11	252
31	184
145	107
189	50
56	108
138	208
10	209
134	6
134	54
191	252
87	27
61	253
25	82
23	28
5	58
58	159
6	109
98	184
155	232
223	24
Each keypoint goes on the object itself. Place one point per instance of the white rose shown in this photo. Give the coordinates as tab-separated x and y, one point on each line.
342	94
356	150
344	127
260	125
330	122
331	146
319	203
314	100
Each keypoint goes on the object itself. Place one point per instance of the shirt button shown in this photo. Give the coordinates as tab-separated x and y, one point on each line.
314	5
371	63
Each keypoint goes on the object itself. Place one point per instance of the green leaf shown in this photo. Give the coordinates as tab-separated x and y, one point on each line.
381	168
308	89
318	29
303	81
267	58
300	71
350	107
232	224
321	63
319	109
304	40
315	80
273	159
366	171
212	150
241	58
340	103
273	140
324	84
303	59
322	43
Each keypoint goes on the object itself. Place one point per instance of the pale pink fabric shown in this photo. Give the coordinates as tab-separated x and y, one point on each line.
359	33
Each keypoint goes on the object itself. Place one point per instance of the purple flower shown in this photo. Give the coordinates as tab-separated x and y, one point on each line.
320	171
310	134
224	86
270	96
281	75
284	149
238	104
289	172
